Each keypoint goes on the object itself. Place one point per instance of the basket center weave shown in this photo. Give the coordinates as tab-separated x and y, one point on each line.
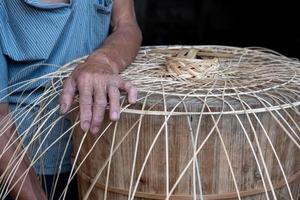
188	64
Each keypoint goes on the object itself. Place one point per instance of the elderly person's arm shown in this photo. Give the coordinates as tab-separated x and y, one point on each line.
97	78
27	187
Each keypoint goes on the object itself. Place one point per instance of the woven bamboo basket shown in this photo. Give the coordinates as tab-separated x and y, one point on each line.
211	122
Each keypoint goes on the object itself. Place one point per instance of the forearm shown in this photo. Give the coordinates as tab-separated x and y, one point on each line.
121	47
96	80
28	185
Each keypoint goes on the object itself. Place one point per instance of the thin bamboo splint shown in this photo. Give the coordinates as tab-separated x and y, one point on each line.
211	122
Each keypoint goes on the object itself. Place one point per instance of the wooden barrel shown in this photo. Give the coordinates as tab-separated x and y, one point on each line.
233	142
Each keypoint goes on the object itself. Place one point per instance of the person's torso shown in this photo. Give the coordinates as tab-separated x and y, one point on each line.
34	33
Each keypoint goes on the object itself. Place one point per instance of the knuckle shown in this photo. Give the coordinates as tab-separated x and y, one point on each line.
86	95
100	102
85	91
128	85
85	98
83	76
86	116
86	108
114	92
114	80
85	105
97	121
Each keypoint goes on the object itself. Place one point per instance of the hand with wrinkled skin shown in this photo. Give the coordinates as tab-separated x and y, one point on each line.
27	187
95	82
98	78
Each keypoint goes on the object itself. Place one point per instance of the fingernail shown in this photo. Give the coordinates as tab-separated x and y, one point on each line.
115	115
132	100
95	130
63	108
86	126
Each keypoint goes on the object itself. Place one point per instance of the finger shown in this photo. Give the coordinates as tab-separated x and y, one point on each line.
85	90
99	107
114	102
130	89
67	95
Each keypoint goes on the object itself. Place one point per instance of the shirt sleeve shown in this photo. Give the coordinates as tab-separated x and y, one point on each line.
3	77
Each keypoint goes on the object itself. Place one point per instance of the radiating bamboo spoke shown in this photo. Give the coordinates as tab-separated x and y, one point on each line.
211	122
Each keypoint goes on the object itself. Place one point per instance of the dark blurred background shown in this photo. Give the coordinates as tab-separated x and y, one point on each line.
271	24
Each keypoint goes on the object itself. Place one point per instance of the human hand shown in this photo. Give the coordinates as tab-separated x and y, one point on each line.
95	80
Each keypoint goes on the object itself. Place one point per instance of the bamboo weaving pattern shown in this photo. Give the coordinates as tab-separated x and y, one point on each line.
211	122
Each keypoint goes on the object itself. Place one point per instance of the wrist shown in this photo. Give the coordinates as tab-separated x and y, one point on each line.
102	58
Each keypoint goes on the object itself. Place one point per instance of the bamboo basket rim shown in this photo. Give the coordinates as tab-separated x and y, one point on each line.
270	95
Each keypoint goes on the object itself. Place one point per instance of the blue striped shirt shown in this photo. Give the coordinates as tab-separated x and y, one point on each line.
33	33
